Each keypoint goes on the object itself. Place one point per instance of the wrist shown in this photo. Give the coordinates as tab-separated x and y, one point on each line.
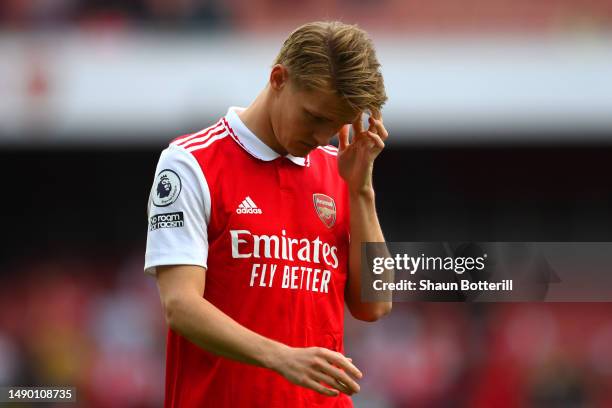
272	358
364	192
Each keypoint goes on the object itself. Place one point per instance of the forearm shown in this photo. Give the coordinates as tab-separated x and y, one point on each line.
365	227
199	321
208	327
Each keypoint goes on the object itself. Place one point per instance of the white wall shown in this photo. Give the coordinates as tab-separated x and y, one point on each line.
120	86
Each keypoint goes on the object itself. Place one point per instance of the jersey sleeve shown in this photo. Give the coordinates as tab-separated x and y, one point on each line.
178	212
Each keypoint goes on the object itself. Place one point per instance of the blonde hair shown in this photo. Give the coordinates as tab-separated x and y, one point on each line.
330	55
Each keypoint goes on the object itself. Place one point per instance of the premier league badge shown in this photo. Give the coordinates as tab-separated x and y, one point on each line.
168	188
326	209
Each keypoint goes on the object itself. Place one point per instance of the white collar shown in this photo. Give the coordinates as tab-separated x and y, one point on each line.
251	143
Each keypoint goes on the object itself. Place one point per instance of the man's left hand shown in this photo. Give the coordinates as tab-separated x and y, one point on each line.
356	156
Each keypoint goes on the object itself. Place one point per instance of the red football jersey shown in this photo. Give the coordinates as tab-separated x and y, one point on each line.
273	233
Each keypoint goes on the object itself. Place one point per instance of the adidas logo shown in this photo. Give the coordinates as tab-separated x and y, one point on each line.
247	206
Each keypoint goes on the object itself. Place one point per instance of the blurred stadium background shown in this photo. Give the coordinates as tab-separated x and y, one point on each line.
500	115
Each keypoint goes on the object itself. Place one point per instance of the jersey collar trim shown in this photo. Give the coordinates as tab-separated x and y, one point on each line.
250	142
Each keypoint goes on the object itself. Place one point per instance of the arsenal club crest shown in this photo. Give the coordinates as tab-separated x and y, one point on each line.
326	209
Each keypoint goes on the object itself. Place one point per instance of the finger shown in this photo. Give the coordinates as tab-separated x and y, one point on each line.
376	114
358	124
321	389
376	126
331	368
343	137
372	124
357	138
340	376
343	362
322	377
378	142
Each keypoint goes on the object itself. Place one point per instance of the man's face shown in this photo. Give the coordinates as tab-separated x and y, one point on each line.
304	119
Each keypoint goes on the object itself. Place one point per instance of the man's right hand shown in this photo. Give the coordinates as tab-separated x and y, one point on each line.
311	366
192	316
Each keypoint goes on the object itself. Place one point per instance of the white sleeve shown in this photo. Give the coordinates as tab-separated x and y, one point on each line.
178	212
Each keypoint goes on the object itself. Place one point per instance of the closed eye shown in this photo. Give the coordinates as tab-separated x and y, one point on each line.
312	116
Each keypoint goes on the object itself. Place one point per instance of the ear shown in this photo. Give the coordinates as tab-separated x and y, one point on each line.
279	76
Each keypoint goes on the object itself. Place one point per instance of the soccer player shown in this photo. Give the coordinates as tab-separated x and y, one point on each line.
255	229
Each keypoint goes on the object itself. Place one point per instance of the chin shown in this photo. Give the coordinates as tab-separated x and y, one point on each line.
301	154
300	151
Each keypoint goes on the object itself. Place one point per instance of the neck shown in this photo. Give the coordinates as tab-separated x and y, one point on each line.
256	117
